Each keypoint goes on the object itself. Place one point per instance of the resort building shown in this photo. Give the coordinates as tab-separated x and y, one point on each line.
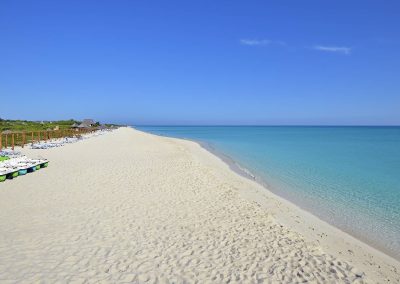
87	123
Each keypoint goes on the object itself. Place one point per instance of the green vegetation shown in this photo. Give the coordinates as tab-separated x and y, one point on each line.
25	131
25	125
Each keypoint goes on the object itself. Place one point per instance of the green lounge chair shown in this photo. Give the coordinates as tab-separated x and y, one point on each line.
4	158
12	175
44	165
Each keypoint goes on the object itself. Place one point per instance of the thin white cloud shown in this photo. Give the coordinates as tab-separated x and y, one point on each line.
267	42
254	42
336	49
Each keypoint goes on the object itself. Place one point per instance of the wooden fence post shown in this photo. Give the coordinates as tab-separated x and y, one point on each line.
12	141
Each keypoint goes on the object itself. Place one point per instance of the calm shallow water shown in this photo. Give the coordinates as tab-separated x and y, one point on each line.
347	176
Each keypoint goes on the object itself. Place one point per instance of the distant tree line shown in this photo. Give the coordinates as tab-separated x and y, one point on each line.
27	125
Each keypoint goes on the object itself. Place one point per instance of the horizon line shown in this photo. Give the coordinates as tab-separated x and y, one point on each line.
274	125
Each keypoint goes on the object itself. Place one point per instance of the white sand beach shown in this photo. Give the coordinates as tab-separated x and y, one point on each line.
131	207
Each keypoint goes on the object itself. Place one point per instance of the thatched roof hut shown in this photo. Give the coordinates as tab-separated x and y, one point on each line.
87	123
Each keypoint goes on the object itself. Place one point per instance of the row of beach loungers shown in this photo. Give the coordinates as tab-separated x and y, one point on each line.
66	140
18	166
13	164
55	143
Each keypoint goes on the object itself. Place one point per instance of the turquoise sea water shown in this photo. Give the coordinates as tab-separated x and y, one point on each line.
347	176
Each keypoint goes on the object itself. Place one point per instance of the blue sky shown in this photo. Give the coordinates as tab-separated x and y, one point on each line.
201	62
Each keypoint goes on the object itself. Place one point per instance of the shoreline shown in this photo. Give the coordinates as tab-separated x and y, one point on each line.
242	171
245	172
346	238
162	208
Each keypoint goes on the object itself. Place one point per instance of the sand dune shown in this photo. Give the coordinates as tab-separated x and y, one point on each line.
133	207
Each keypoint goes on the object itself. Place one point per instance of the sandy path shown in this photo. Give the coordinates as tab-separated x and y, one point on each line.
133	207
